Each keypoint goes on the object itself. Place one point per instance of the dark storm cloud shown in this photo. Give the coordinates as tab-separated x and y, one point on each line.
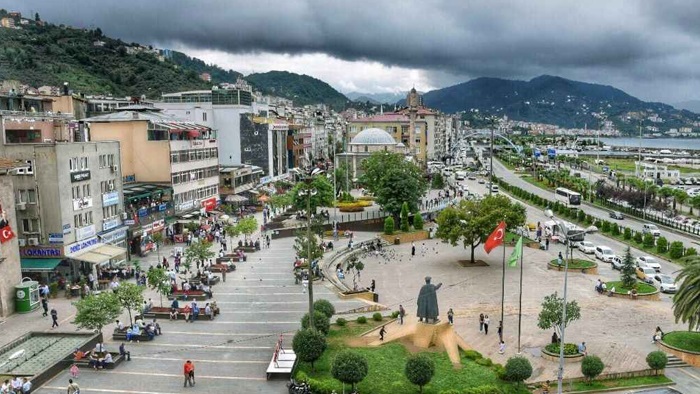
616	40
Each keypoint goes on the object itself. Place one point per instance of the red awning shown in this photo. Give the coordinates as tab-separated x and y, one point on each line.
193	133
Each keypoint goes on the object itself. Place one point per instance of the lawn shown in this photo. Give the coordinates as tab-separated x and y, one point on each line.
597	385
513	238
627	165
642	288
576	263
685	340
386	368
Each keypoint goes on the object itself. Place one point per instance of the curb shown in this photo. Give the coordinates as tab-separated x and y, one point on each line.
640	386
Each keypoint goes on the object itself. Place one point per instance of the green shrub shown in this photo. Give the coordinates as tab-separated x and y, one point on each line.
627	234
377	316
349	367
472	354
518	369
395	314
638	237
405	227
486	362
418	221
321	322
605	226
691	252
591	366
53	289
589	219
581	216
309	345
301	376
500	370
362	320
569	348
661	245
615	230
341	322
657	360
485	389
326	386
325	307
675	251
648	240
598	223
419	370
389	225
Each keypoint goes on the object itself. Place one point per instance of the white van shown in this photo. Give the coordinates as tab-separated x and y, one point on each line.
649	228
604	254
460	175
494	188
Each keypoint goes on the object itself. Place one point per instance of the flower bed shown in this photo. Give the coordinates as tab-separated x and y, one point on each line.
571	354
644	290
585	266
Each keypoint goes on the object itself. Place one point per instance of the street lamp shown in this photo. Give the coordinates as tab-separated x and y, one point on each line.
309	192
565	233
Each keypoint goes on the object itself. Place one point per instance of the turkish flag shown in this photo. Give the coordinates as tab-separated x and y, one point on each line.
496	237
6	234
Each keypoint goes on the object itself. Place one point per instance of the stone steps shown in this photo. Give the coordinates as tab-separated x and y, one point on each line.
675	362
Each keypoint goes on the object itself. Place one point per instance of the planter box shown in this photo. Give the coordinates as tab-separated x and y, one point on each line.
692	358
414	236
363	294
574	358
223	268
192	295
591	270
246	249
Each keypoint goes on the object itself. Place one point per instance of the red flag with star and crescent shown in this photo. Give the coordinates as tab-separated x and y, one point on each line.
6	234
496	237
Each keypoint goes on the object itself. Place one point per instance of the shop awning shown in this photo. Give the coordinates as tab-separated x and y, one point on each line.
235	198
39	265
100	255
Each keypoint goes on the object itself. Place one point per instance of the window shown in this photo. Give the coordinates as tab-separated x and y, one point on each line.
76	192
204	116
73	164
30	225
83	163
26	196
108	212
86	190
78	220
103	161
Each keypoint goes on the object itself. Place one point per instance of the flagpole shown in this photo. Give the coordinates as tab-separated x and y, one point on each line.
503	288
520	301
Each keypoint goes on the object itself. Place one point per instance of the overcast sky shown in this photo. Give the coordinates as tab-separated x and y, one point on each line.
649	48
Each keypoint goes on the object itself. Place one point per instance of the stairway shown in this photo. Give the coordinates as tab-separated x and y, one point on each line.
675	362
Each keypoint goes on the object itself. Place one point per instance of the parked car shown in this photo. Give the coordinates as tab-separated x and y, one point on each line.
471	177
666	283
482	181
650	262
616	263
646	274
649	228
616	215
604	253
494	188
586	247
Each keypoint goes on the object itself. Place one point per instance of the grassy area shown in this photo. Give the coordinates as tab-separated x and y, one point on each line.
627	165
577	263
512	237
686	340
541	184
386	368
618	383
642	288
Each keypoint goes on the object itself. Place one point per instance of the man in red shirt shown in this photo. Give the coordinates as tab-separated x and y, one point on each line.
189	373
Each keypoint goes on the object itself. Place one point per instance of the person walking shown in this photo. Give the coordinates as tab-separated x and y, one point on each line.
500	331
402	313
481	322
73	388
501	347
381	333
413	249
451	316
54	317
487	321
546	243
372	286
45	305
189	373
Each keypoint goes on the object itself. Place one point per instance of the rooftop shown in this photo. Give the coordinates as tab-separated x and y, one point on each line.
141	113
373	137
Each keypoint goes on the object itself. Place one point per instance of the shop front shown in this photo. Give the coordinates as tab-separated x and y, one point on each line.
91	255
142	239
44	264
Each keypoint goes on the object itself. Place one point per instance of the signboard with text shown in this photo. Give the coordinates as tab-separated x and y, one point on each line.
80	176
82	233
78	246
110	198
41	251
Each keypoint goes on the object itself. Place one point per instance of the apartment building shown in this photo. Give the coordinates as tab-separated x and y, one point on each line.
10	269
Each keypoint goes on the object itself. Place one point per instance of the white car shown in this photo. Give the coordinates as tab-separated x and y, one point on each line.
649	228
586	247
616	263
666	283
650	262
604	253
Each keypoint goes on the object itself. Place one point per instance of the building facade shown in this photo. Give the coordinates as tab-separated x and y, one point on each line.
10	271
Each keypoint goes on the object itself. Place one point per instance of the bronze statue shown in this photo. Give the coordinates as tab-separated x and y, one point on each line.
427	301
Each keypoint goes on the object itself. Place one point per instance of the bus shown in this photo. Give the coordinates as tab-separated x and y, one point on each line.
569	198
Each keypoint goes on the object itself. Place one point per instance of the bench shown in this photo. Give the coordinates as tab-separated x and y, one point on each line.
282	363
196	295
164	313
121	335
85	362
246	249
222	268
230	258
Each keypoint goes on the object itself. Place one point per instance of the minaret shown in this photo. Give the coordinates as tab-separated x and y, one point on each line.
412	101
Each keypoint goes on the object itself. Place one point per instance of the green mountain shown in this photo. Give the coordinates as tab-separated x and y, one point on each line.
302	89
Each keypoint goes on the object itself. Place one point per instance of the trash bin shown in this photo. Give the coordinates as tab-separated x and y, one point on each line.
26	296
397	241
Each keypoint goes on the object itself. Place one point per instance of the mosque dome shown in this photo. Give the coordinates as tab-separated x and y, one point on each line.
373	136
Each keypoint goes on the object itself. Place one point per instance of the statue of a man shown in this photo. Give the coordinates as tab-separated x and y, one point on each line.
427	301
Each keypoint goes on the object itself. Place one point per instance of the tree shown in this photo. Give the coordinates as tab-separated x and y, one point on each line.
680	196
628	275
405	227
389	225
356	266
393	180
694	203
232	230
321	322
280	201
309	345
130	297
159	281
420	369
96	311
675	251
648	240
438	181
36	17
198	251
418	221
325	307
302	246
157	237
550	315
247	226
471	222
342	178
591	366
349	367
657	360
323	198
661	245
517	369
686	307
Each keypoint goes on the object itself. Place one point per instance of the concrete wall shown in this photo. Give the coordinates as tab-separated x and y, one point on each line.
254	143
10	271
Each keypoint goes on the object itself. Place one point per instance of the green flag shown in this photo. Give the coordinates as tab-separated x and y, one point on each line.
515	256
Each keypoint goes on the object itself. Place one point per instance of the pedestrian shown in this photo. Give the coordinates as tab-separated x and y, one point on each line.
413	249
481	322
501	347
500	331
73	387
560	259
582	349
45	305
26	386
381	333
372	286
402	313
223	274
189	373
487	321
74	371
546	243
54	317
658	334
451	316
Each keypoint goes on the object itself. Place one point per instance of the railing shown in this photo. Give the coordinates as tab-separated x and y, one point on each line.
654	218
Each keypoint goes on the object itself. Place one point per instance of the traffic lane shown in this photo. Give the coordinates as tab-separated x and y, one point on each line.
594	211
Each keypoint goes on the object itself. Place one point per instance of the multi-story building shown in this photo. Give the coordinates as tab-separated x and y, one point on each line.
10	271
264	142
100	105
398	126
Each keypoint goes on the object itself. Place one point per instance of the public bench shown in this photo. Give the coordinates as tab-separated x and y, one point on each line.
85	361
197	280
163	313
120	335
223	268
283	361
246	249
196	295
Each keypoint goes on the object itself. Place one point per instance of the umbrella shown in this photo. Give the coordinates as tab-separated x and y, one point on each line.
264	198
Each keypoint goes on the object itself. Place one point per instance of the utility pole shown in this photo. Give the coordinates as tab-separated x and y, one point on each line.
308	256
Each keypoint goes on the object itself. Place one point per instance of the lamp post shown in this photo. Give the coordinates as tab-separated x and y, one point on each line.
491	164
309	192
562	328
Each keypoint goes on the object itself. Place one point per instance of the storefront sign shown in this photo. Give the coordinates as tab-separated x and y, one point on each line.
110	198
114	236
158	225
82	233
162	207
142	212
130	222
66	228
55	238
186	205
209	204
109	224
78	246
129	178
82	203
146	229
195	143
80	176
41	251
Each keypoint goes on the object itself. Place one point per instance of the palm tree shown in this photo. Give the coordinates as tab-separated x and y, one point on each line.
694	203
680	196
686	307
666	192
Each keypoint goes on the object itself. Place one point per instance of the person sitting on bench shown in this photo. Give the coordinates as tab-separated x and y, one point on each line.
133	332
207	290
611	292
156	327
79	354
94	361
124	353
150	331
106	360
187	312
173	313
